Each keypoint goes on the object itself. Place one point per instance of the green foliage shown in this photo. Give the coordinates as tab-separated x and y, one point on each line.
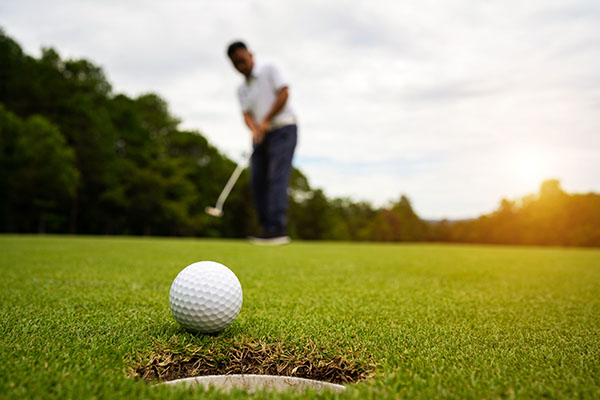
553	217
352	221
313	216
398	223
135	171
38	173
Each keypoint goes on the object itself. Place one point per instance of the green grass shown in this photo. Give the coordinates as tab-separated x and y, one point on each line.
437	320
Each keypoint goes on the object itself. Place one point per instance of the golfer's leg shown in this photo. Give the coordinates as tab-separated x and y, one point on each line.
258	183
282	143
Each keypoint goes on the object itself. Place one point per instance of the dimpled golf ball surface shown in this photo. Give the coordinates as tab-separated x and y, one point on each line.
205	297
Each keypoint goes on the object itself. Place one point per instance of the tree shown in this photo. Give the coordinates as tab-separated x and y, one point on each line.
312	217
42	177
550	217
398	223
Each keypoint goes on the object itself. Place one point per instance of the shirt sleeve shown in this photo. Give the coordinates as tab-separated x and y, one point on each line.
278	80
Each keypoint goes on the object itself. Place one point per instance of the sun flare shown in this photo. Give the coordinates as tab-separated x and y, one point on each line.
530	166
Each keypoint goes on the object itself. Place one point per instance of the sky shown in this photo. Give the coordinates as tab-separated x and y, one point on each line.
454	103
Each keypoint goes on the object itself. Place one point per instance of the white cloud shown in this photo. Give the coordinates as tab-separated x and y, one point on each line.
430	99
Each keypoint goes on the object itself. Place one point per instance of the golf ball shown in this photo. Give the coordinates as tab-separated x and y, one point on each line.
205	297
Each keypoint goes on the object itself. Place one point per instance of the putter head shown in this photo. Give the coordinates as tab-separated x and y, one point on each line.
215	212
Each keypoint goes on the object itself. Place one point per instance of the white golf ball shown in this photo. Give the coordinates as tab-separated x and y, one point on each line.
205	297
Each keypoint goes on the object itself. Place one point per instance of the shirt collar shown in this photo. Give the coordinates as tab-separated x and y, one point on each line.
253	73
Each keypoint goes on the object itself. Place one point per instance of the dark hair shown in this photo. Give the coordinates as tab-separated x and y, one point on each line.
235	46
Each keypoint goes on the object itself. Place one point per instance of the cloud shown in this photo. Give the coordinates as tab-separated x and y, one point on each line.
430	99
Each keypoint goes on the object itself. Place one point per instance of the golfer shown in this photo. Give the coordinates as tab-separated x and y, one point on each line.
263	97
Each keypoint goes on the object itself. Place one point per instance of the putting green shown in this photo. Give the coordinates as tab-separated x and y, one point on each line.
79	314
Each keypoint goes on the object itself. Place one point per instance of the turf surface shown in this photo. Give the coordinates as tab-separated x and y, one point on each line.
78	314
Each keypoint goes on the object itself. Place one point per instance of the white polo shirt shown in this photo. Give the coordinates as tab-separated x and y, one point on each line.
258	92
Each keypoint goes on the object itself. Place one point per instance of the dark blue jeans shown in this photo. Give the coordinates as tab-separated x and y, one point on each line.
270	170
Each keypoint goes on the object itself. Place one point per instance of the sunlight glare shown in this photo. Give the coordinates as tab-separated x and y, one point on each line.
530	166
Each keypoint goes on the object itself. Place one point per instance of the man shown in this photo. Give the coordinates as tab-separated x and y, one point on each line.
263	97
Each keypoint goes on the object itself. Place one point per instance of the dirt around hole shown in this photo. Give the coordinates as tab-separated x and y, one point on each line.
244	356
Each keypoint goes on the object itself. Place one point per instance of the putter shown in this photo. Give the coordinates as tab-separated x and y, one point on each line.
217	210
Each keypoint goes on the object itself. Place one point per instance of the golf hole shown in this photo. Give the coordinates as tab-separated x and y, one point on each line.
252	383
249	365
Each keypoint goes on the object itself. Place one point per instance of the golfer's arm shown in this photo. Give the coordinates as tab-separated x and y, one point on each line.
278	104
250	122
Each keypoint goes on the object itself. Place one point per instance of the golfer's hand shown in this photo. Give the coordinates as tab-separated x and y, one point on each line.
258	135
265	125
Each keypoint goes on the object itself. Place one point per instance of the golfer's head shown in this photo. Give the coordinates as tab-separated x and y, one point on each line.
241	58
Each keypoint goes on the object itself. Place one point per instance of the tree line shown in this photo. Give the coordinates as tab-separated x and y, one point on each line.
75	157
550	217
